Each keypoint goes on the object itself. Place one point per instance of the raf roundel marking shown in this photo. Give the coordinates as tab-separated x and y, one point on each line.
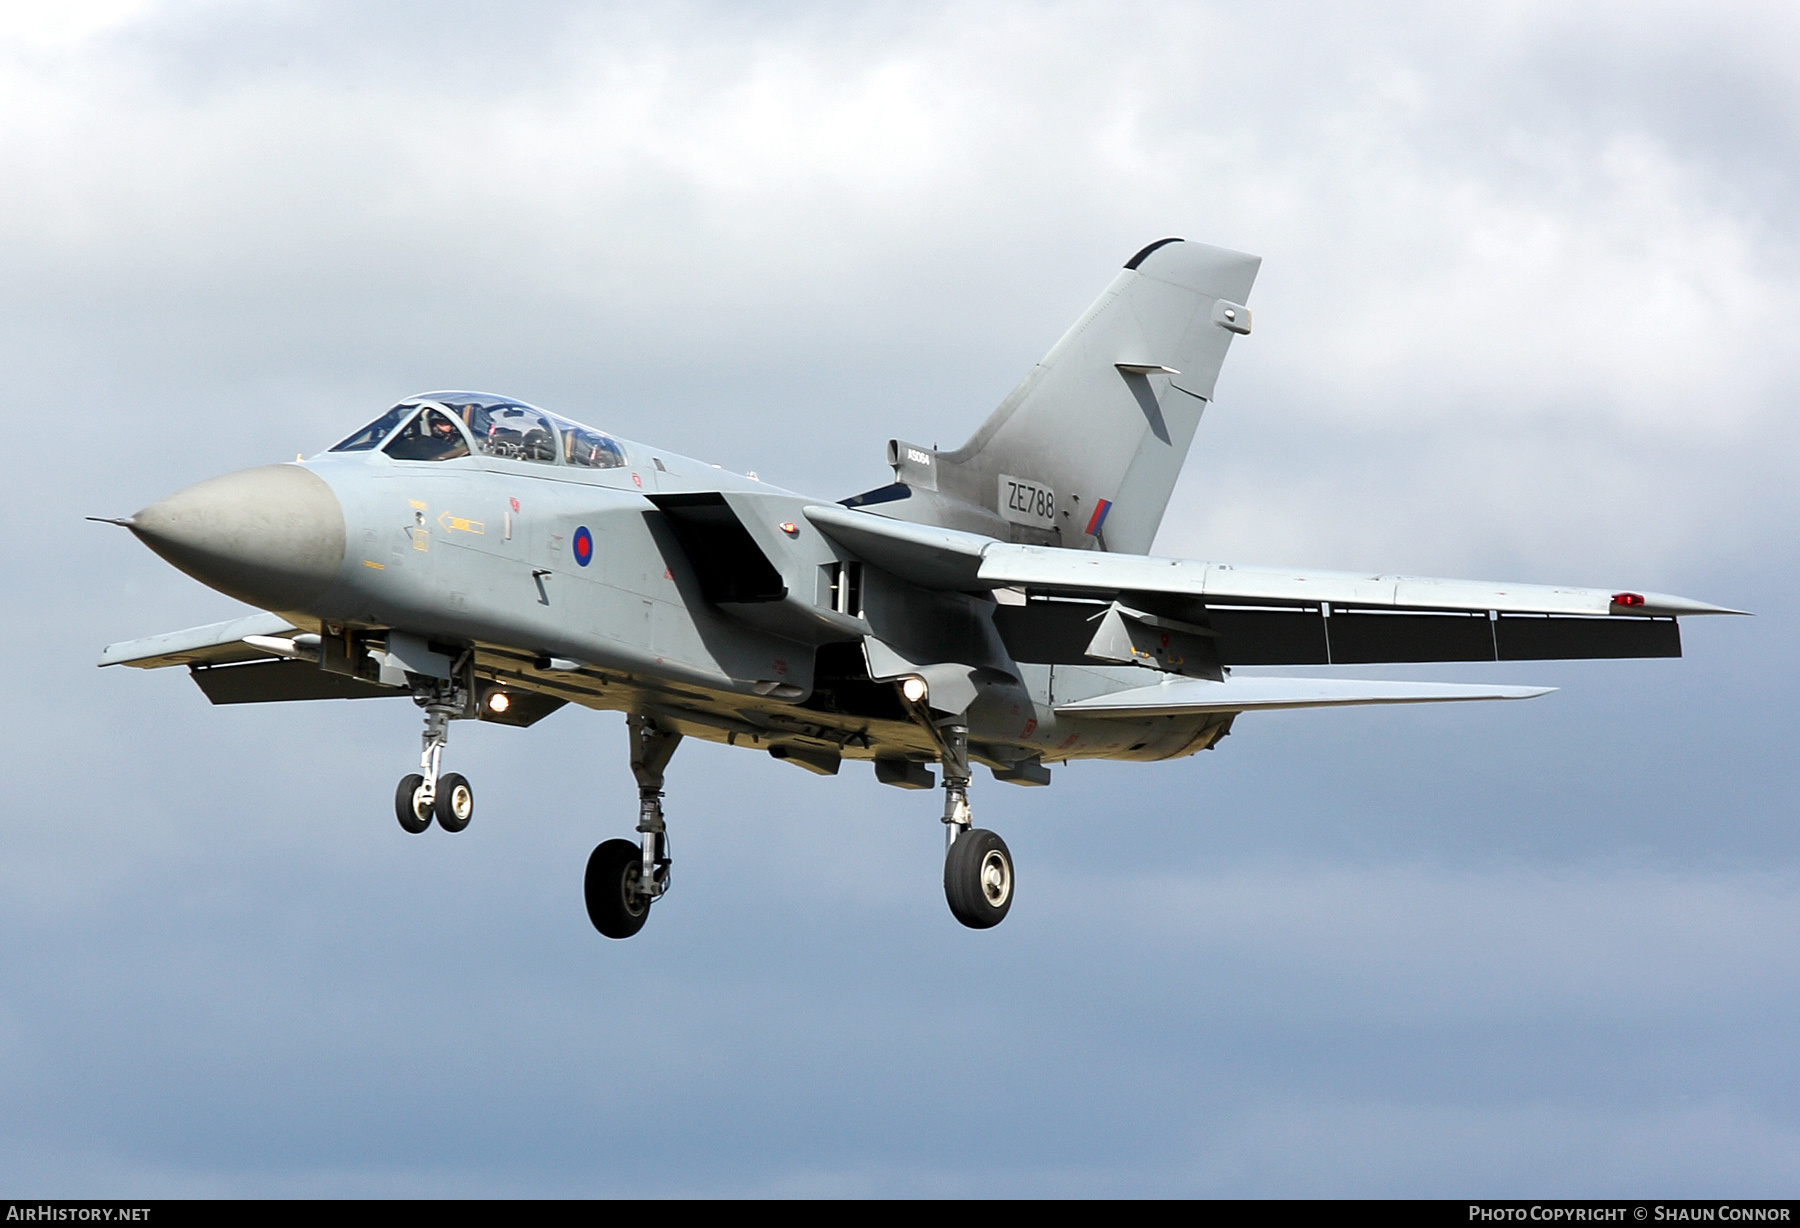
584	546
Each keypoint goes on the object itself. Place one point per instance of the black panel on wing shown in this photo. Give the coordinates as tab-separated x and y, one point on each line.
730	565
267	682
1272	636
1275	636
1374	637
1525	637
1058	633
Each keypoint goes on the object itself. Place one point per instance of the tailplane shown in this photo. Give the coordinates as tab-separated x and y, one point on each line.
1085	452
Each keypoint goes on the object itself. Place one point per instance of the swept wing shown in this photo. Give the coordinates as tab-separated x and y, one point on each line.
1264	615
214	644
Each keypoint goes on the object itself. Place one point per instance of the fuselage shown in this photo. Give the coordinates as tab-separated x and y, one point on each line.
568	580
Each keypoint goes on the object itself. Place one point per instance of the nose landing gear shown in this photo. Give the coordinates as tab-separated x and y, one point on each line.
425	794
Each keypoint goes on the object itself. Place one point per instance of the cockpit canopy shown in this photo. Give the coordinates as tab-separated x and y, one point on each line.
440	426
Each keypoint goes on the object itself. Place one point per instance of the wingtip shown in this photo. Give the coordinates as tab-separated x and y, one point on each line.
1691	608
1680	607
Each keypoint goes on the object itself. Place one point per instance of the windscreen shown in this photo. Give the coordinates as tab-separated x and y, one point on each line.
429	437
370	437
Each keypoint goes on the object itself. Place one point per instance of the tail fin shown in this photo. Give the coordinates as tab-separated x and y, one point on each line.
1085	452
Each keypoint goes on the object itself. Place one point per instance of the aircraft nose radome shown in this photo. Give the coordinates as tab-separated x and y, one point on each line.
271	536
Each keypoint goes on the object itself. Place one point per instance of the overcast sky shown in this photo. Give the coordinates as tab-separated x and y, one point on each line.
1528	311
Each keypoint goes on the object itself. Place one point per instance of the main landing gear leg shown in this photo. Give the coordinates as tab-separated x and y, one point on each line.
427	794
978	869
957	818
624	879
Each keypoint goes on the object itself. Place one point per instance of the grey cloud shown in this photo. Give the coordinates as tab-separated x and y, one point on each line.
1461	250
1526	311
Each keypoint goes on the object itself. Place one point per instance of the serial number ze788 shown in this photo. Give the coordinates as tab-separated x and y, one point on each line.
1025	502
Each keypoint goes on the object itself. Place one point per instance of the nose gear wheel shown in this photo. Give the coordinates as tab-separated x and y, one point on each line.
413	818
455	804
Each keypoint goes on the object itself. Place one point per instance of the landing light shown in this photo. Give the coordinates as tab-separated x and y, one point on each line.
914	689
499	701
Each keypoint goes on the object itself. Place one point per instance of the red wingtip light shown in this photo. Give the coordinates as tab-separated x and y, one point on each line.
1628	599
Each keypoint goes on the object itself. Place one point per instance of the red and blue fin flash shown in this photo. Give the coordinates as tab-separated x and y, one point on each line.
1098	519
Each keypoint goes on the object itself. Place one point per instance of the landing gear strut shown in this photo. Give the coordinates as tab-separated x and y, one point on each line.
978	869
425	794
957	818
623	879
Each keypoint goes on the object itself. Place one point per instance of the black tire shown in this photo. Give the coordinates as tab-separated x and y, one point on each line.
455	802
978	879
404	807
613	870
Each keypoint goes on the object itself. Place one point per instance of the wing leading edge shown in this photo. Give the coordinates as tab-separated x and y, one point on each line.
1194	697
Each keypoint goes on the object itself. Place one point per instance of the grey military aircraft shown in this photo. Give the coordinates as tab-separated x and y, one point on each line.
993	605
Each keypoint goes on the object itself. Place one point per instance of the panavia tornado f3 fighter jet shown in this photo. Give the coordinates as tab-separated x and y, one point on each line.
994	605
